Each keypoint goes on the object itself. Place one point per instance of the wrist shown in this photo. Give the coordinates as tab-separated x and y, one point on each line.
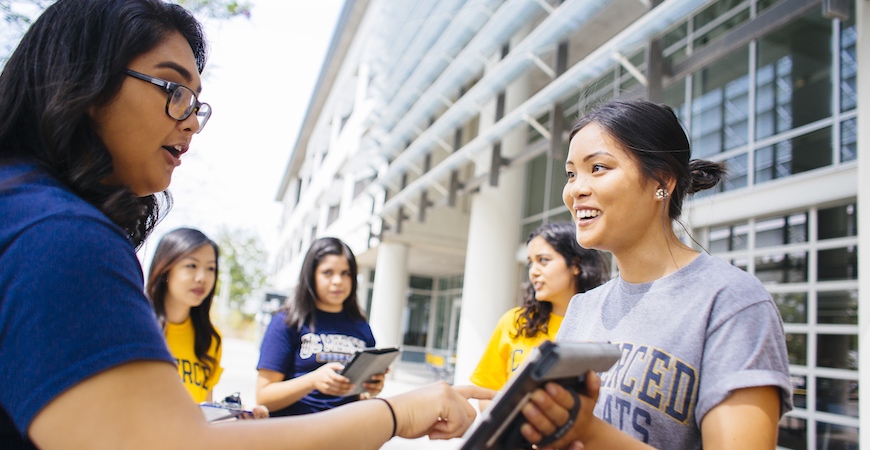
392	415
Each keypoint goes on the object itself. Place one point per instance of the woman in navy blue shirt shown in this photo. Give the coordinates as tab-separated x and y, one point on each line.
309	340
98	104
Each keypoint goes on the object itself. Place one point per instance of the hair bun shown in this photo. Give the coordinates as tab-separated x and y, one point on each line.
705	174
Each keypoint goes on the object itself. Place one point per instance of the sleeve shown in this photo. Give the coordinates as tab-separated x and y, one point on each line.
745	350
72	305
278	350
369	336
491	371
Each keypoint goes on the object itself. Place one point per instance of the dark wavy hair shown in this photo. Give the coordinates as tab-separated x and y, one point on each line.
71	59
653	136
594	271
302	306
173	247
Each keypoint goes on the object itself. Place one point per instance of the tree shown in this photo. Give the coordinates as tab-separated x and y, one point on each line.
243	264
17	15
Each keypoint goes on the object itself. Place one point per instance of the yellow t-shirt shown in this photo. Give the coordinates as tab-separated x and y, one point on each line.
505	353
197	376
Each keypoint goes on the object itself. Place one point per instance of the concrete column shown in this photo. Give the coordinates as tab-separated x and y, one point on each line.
491	285
389	293
863	202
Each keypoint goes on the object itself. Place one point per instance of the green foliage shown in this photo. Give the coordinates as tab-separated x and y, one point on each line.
244	259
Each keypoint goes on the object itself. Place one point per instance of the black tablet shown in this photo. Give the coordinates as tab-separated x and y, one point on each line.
565	363
366	363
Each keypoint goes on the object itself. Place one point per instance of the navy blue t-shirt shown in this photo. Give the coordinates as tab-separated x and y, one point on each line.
293	353
72	302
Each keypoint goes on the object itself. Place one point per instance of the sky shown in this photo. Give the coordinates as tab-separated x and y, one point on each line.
259	78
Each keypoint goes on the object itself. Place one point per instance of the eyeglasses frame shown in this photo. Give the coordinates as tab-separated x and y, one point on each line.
170	88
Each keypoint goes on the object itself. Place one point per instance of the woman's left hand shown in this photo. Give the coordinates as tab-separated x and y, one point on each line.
374	386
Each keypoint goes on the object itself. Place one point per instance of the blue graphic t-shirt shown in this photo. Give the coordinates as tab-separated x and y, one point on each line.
336	337
72	302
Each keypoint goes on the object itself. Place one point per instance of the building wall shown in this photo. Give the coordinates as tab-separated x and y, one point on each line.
442	139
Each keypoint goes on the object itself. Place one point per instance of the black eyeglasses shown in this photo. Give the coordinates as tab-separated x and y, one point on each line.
182	101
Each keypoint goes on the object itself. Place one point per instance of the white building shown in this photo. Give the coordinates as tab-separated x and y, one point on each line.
435	142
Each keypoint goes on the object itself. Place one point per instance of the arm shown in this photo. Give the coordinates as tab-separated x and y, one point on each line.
492	369
92	415
748	418
275	393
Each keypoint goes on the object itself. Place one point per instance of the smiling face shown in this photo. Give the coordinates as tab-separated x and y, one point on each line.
333	283
191	279
549	273
145	143
613	205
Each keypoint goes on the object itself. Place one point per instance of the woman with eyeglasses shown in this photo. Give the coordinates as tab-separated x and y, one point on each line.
87	150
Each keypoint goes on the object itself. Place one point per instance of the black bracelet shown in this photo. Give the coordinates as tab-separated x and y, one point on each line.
392	413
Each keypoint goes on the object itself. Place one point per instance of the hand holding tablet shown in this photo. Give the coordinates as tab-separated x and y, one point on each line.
564	363
366	363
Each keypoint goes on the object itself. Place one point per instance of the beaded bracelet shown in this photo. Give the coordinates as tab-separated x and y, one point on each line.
392	413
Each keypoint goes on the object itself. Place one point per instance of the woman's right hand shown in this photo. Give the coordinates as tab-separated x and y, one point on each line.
327	380
550	408
437	410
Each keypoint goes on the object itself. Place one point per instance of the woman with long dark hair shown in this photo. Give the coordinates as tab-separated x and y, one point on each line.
98	104
558	269
704	362
181	286
311	337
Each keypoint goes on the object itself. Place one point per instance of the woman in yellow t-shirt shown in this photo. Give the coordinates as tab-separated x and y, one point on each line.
181	285
558	269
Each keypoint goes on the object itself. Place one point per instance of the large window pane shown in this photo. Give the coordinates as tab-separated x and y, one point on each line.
837	351
416	320
799	384
715	11
792	306
849	140
794	75
792	433
675	97
838	264
839	221
838	307
836	437
837	396
421	283
725	239
782	268
738	173
781	230
557	179
797	348
803	153
444	304
848	62
536	173
719	119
